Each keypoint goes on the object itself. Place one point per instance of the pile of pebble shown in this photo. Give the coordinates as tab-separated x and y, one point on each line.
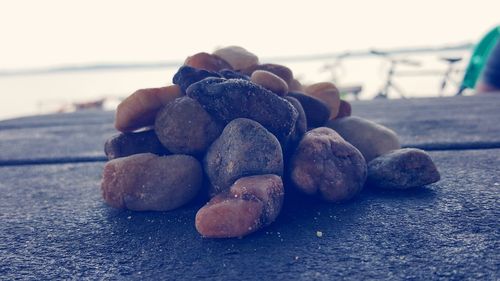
238	130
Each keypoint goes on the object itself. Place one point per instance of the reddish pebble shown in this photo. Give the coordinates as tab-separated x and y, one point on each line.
207	61
345	109
251	203
139	109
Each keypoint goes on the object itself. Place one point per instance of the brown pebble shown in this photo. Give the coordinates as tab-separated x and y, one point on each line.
270	81
207	61
325	163
139	109
147	182
250	204
184	127
295	86
345	109
327	93
319	87
402	169
370	138
238	57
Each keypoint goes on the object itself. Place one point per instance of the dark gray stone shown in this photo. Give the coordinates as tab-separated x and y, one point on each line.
317	112
244	148
402	169
126	144
227	100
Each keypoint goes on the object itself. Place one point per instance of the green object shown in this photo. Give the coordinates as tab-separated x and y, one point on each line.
479	58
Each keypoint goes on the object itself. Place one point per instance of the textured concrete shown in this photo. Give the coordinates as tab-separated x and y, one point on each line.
433	124
54	225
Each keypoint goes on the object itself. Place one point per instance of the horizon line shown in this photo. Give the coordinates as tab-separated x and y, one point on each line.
103	66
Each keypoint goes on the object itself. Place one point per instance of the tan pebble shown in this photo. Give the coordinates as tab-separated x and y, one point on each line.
281	71
295	86
345	109
270	81
139	109
318	87
237	57
327	93
370	138
207	61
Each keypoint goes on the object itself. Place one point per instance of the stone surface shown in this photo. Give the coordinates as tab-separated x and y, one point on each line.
370	138
184	127
207	62
270	81
139	109
238	57
316	111
227	100
445	231
126	144
244	148
325	163
402	169
146	182
250	204
187	75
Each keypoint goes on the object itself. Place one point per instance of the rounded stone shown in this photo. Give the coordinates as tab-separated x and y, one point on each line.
126	144
207	62
270	81
139	109
295	86
370	138
244	148
281	71
325	163
184	127
238	57
147	182
317	112
402	169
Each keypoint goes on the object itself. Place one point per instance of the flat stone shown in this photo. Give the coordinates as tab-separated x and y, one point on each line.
227	100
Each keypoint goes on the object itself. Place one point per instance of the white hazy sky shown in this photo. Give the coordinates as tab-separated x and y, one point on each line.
53	32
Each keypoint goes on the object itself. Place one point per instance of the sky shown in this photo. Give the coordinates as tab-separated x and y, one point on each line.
58	32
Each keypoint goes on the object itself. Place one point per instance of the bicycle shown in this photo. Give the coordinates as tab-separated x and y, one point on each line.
389	84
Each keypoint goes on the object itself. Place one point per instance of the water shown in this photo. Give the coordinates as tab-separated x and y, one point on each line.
41	94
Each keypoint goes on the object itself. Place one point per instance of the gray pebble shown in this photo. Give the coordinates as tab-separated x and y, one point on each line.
244	148
402	169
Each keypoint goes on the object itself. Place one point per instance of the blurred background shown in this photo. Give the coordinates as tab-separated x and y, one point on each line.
61	56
